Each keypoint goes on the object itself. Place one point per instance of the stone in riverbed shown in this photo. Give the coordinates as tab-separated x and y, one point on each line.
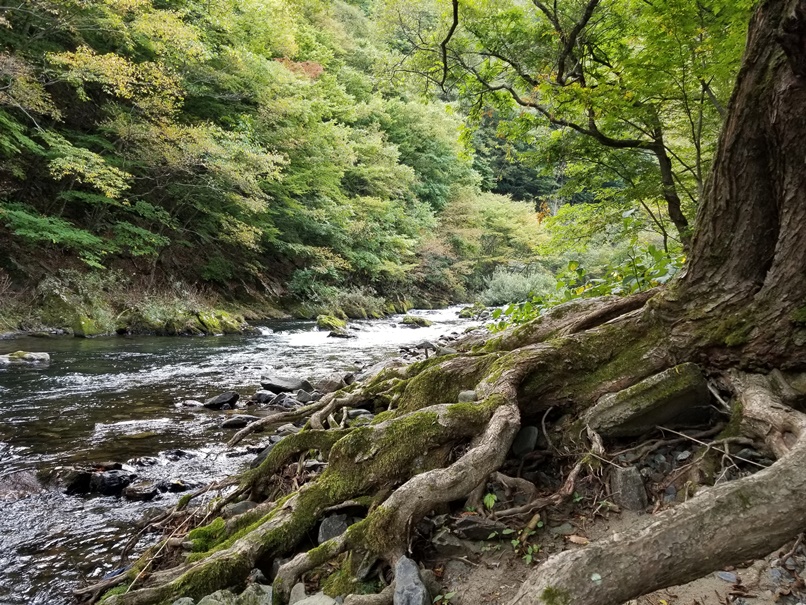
263	396
330	383
284	384
238	421
24	357
409	587
190	403
261	456
303	396
141	491
219	401
110	483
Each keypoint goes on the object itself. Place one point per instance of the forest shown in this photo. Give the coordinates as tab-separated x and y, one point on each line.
620	181
307	157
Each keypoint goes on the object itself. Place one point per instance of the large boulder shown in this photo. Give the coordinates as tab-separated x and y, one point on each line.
652	402
328	322
229	398
284	384
110	483
332	527
330	383
415	321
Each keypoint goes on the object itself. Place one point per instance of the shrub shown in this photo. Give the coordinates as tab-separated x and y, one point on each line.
508	285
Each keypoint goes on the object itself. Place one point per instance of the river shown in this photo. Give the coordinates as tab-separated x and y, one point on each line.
113	399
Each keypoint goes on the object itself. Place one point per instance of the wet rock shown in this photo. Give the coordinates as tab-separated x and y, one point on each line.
627	487
341	333
331	527
141	491
652	402
474	527
467	396
284	384
174	455
409	586
175	486
297	593
75	481
284	401
237	508
263	396
219	401
238	421
24	357
110	483
190	403
19	485
330	383
525	441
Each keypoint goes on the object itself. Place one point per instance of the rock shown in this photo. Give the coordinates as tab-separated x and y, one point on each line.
141	491
76	481
448	545
220	597
110	483
237	508
303	396
319	598
474	527
330	383
175	486
409	587
18	485
263	396
566	529
258	577
341	333
331	527
190	403
652	402
525	441
431	582
238	421
329	322
415	321
445	351
627	488
288	429
726	576
255	594
377	368
219	401
426	345
467	396
284	384
297	593
184	601
349	378
261	456
24	357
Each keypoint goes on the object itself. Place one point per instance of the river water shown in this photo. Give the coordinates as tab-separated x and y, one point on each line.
113	399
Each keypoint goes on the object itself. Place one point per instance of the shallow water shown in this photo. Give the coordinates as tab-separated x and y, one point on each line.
114	399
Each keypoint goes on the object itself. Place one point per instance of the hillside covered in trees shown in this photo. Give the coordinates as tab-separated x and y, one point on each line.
304	156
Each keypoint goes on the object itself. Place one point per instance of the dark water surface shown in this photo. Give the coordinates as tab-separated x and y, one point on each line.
114	398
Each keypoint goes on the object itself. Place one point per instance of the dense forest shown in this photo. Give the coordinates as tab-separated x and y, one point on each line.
161	158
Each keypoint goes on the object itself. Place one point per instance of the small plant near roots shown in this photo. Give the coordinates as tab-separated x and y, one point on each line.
444	599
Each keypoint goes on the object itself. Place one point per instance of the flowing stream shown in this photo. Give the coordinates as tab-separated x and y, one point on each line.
113	399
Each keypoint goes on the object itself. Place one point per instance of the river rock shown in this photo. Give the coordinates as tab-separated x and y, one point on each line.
219	401
409	587
445	351
75	480
190	403
255	594
525	441
341	333
330	383
319	598
238	421
284	384
263	396
332	527
141	491
303	396
24	357
627	488
297	593
110	483
285	401
18	485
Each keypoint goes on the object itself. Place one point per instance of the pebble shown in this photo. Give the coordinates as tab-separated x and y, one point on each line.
727	576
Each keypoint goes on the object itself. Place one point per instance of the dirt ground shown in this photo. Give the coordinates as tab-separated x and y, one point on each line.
491	573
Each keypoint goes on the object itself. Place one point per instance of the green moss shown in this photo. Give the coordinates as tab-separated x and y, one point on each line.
115	591
206	537
555	596
436	381
414	320
329	322
184	501
85	327
210	323
734	426
343	582
799	316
